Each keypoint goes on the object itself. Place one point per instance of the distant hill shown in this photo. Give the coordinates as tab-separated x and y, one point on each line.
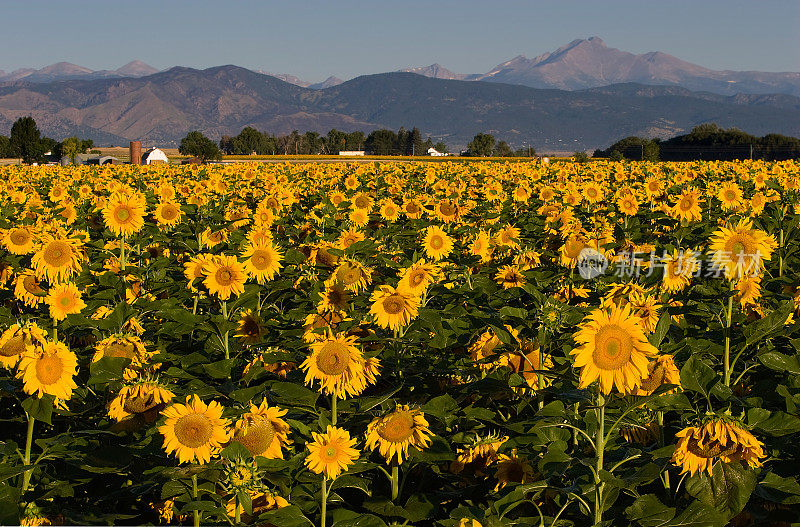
161	108
68	71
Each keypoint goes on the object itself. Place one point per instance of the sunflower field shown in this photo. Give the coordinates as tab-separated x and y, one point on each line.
458	345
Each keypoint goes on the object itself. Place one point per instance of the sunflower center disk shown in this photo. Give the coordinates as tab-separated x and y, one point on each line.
56	254
119	349
711	449
123	214
224	277
138	404
397	428
49	369
258	436
437	242
260	260
613	347
333	359
193	430
394	304
14	347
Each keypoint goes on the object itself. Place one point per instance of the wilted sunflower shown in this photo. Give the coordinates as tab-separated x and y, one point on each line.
739	249
64	299
16	340
250	328
126	347
138	398
660	372
508	237
437	244
48	369
571	250
645	308
418	276
19	240
748	290
124	214
479	453
393	308
263	261
700	446
613	348
27	289
262	431
225	276
331	453
57	259
529	362
513	468
168	214
194	431
509	276
338	365
394	433
334	298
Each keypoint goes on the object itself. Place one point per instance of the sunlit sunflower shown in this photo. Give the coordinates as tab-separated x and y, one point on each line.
225	276
508	237
352	275
748	290
27	289
262	431
331	453
688	206
730	195
64	299
628	205
16	340
124	214
126	347
261	501
250	328
592	192
48	369
412	209
57	259
337	364
699	447
509	276
19	240
446	210
660	372
139	398
527	260
436	243
262	261
679	267
613	348
193	269
321	320
645	308
389	210
349	237
194	431
418	276
211	239
168	214
513	468
395	432
393	308
571	251
482	246
739	249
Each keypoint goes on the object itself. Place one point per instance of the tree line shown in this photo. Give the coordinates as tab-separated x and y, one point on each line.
27	142
707	141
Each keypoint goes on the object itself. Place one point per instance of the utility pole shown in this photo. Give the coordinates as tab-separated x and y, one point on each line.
751	151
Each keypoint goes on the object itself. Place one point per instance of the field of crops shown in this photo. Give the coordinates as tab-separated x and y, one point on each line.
481	344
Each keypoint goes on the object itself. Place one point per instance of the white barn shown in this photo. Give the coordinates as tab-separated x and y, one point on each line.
155	156
434	152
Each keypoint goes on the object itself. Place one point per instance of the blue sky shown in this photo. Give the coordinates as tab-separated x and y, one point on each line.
348	38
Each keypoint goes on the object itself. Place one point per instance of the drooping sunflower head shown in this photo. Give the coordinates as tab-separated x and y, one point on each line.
513	468
144	398
262	431
250	329
27	289
715	438
661	371
19	339
395	432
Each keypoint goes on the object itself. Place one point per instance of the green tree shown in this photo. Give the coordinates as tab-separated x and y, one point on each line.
482	145
503	150
415	145
5	147
71	147
381	142
335	141
26	141
441	147
197	145
580	157
355	141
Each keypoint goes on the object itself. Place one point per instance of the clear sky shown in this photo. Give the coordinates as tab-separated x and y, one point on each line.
347	38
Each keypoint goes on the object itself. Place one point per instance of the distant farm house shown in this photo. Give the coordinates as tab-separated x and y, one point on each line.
155	156
351	152
434	152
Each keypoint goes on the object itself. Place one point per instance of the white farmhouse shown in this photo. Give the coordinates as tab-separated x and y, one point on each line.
155	156
434	152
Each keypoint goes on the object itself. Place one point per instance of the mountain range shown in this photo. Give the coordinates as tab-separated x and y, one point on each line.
161	108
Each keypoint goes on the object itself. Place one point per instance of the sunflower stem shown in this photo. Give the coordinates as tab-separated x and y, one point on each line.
194	498
225	335
237	518
26	476
600	448
324	502
333	409
395	481
780	255
122	253
727	358
661	442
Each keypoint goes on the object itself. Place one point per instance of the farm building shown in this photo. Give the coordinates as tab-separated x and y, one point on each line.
155	156
434	152
351	152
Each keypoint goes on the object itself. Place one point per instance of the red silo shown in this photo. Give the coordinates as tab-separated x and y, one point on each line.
136	152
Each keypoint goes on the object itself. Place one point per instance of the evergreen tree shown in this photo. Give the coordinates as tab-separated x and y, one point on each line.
26	141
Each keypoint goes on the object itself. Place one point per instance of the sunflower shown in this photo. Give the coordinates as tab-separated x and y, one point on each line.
529	362
717	439
126	347
338	365
57	259
628	205
613	348
389	210
660	372
571	251
331	453
27	290
593	193
679	267
334	298
446	210
168	214
193	269
225	276
349	237
16	340
437	243
64	299
278	367
194	431
508	237
393	308
48	369
748	290
527	260
250	328
509	276
688	206
262	431
321	320
418	276
482	246
211	238
645	308
359	217
394	433
730	195
19	240
124	214
261	501
513	468
352	275
143	397
739	249
362	201
479	453
263	261
412	209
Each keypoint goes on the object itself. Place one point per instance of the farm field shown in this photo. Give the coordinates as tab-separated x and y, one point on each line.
450	344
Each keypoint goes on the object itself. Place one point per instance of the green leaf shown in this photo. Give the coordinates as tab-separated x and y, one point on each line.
290	516
727	490
441	407
780	424
780	362
764	327
40	409
294	394
107	369
698	376
661	329
513	312
9	508
220	369
698	515
649	512
352	482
